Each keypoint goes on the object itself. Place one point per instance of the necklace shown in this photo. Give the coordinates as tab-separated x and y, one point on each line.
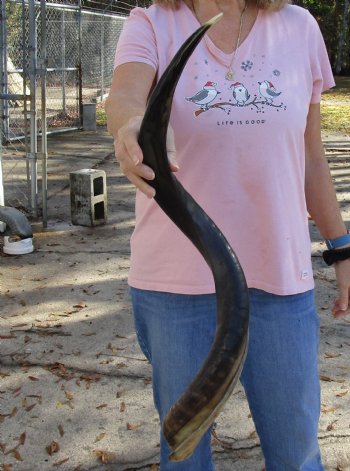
230	72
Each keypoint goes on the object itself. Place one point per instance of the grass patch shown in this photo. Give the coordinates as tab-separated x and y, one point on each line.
101	118
335	107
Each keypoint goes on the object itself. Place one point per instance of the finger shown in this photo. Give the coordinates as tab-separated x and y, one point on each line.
339	314
343	300
142	185
127	164
126	145
341	305
140	170
174	166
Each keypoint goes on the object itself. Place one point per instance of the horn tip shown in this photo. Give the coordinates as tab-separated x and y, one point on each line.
215	19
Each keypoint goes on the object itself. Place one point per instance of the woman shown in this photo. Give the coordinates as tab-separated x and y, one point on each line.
246	128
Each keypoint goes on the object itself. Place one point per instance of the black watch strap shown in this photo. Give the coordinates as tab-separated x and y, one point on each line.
336	255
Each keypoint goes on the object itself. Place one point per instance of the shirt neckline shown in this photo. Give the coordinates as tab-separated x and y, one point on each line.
216	51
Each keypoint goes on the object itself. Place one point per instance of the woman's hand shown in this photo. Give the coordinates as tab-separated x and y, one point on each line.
341	306
130	157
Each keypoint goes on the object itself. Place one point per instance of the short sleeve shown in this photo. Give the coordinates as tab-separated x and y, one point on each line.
321	69
137	42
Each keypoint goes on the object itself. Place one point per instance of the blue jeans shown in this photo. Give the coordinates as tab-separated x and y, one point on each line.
280	375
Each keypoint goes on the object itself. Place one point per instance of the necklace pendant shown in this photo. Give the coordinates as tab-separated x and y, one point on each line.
229	75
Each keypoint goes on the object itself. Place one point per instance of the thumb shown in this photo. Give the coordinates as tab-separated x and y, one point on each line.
342	303
170	144
343	300
172	160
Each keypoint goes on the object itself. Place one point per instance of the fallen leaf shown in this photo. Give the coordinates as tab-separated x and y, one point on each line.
7	467
329	409
114	348
86	377
80	306
29	408
331	426
327	378
3	374
154	467
341	394
16	454
58	463
132	426
332	355
22	438
33	378
14	412
122	407
52	448
61	430
101	406
100	437
69	395
36	396
106	456
102	455
10	336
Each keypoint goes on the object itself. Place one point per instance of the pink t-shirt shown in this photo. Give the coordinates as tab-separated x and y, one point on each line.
240	148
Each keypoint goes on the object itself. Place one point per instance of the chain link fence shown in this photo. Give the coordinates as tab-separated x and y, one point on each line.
55	56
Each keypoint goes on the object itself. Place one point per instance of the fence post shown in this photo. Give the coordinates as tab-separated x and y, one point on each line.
43	75
32	156
79	65
3	60
102	56
2	201
4	76
63	55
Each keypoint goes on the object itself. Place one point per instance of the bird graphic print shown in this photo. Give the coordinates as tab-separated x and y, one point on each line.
205	96
268	91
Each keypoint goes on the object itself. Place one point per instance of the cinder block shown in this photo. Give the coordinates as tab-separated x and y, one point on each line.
88	195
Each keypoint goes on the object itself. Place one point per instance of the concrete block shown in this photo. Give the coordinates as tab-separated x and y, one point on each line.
89	116
88	195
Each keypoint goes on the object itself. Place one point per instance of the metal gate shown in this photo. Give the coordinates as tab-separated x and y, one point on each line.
54	57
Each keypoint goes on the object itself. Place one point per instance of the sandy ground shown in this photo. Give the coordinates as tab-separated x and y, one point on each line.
75	390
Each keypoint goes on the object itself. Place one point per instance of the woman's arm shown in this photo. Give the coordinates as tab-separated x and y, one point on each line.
125	107
322	202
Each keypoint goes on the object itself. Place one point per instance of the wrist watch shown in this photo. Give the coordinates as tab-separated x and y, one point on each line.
338	242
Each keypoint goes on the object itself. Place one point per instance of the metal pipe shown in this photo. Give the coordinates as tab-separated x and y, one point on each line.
2	59
63	54
79	67
48	133
4	75
25	102
43	110
102	56
32	155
